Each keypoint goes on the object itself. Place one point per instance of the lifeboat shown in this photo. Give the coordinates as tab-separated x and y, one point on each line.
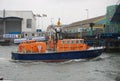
59	50
66	49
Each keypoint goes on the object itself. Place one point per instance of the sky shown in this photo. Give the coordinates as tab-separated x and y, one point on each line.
68	11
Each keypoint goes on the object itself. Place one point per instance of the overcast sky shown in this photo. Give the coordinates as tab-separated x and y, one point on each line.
68	11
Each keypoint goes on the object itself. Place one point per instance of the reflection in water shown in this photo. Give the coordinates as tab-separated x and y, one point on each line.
103	68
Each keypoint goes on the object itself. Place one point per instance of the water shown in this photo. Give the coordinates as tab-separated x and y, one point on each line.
103	68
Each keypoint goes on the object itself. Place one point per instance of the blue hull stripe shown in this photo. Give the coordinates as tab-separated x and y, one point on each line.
58	55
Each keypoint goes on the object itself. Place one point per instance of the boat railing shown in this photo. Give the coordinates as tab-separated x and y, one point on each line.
93	48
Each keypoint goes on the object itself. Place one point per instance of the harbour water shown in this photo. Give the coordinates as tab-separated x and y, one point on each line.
103	68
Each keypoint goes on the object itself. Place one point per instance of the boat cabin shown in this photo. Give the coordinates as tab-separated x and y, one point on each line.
71	45
61	46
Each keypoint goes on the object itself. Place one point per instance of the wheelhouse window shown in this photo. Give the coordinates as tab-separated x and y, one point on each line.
72	41
77	41
63	41
81	41
29	23
67	42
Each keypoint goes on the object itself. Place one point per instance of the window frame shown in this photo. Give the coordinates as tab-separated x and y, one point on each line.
29	23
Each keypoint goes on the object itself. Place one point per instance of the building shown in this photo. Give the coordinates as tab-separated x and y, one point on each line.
16	22
83	28
113	19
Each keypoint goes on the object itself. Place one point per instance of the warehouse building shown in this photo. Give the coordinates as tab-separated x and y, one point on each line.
16	22
83	28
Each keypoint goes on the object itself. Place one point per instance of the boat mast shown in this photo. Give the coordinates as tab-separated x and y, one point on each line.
58	30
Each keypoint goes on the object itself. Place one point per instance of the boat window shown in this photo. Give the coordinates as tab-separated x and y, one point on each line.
63	41
67	42
77	41
81	41
72	41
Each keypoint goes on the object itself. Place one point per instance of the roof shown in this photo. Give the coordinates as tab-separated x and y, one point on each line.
91	20
10	18
103	21
13	18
